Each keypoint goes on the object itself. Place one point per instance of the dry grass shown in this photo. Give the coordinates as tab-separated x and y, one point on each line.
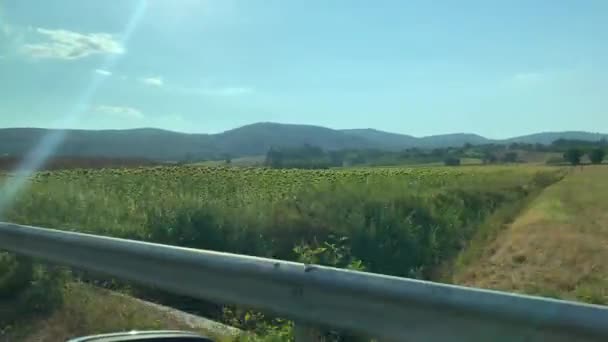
88	311
556	248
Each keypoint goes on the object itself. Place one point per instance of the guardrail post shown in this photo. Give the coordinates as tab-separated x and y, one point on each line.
306	333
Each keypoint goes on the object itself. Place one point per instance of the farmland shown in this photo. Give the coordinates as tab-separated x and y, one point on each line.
399	221
430	211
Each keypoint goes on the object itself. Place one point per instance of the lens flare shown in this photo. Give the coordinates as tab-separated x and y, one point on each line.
35	158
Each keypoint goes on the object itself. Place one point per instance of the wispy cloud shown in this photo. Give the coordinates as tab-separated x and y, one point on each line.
120	111
152	81
158	81
69	45
103	72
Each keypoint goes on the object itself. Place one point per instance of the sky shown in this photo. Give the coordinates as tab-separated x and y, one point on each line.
495	68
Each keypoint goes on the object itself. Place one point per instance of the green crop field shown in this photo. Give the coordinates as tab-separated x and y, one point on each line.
268	212
398	221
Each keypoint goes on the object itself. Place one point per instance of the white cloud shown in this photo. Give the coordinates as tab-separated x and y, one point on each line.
103	72
157	81
152	81
118	111
64	44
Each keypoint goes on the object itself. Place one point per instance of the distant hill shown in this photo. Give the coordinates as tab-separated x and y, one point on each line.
449	140
259	137
255	139
146	143
384	139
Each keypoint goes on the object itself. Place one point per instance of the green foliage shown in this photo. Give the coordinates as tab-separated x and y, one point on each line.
510	157
27	289
452	161
597	155
16	273
334	252
581	144
573	156
489	157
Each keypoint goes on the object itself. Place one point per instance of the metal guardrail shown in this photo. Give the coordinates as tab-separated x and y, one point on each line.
384	307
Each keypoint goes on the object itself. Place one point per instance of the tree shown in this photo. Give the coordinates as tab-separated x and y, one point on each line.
510	157
597	155
573	156
489	158
274	158
452	161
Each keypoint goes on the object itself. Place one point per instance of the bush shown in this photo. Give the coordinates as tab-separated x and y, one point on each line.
452	161
27	289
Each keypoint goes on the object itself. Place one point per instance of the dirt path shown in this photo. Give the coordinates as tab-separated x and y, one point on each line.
557	248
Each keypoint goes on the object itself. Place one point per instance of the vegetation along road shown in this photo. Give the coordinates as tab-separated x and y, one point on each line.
557	248
532	229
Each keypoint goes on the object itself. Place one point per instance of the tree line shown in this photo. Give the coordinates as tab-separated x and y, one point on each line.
313	157
575	150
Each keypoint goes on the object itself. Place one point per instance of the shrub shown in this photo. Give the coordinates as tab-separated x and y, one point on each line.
27	289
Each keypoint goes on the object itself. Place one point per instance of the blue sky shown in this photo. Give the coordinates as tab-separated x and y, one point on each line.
497	68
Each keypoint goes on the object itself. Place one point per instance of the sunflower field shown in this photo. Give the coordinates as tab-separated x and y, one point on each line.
399	221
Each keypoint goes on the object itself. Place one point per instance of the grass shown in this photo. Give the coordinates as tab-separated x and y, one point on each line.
556	248
398	221
88	310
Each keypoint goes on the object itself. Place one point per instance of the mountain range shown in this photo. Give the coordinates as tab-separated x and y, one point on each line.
254	139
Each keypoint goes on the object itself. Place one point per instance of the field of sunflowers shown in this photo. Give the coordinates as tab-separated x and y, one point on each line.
400	221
